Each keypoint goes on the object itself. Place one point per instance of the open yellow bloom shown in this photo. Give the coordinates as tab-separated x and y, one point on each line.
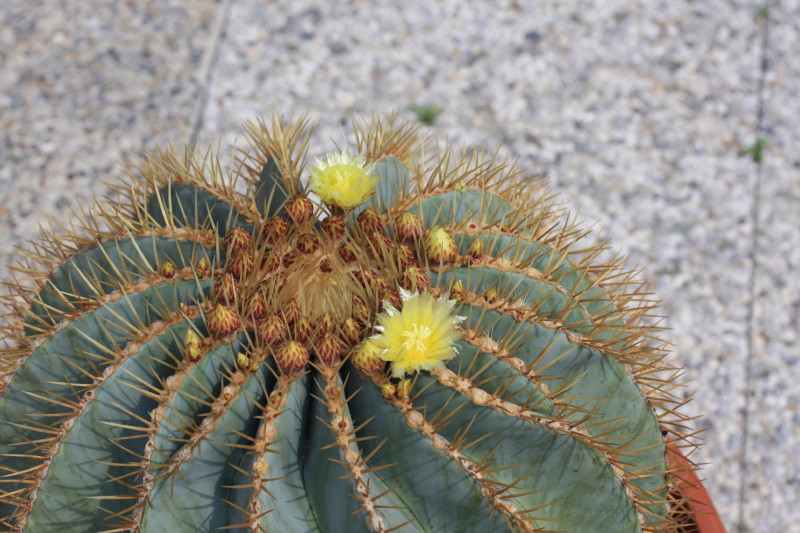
343	180
420	337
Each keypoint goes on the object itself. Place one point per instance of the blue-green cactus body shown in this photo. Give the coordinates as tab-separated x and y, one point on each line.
144	400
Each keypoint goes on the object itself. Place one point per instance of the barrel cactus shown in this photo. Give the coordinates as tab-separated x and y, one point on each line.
396	337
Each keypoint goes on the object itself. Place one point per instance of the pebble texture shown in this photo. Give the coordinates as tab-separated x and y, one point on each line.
771	463
85	85
638	111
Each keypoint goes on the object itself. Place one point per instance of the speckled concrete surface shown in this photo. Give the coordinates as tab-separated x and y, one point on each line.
85	85
772	468
637	110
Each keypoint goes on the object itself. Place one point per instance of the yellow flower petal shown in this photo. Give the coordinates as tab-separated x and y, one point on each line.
343	180
420	337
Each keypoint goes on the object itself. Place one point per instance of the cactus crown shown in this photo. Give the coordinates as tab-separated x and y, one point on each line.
433	347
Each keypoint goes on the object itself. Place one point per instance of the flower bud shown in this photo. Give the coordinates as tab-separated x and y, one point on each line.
365	358
226	289
457	291
236	239
291	311
440	246
328	348
416	279
491	296
409	227
333	227
167	269
291	356
222	321
351	332
346	253
274	229
272	330
307	243
202	269
325	323
191	346
241	264
404	255
475	249
299	209
255	308
369	221
303	330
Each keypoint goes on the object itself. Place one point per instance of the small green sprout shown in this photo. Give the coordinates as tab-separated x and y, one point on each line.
427	114
756	150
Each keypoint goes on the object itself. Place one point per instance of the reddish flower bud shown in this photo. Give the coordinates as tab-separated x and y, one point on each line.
202	269
255	308
360	309
226	289
241	264
307	243
191	346
382	284
292	257
351	332
393	297
333	227
274	229
275	283
491	296
409	227
291	356
325	323
325	265
270	262
416	279
440	246
404	255
189	310
237	239
380	246
364	277
272	330
475	249
369	221
365	358
291	311
222	321
299	209
328	348
457	291
303	330
346	253
167	269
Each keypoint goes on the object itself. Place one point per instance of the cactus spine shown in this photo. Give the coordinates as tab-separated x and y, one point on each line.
437	354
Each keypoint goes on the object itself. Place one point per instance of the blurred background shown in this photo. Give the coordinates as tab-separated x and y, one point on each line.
669	123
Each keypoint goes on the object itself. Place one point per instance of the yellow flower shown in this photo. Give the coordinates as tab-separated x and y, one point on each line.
420	337
343	180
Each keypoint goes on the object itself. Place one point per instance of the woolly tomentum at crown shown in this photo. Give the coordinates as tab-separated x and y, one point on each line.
431	345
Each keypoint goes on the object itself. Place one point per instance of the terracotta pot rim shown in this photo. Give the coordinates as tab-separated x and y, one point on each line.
705	515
